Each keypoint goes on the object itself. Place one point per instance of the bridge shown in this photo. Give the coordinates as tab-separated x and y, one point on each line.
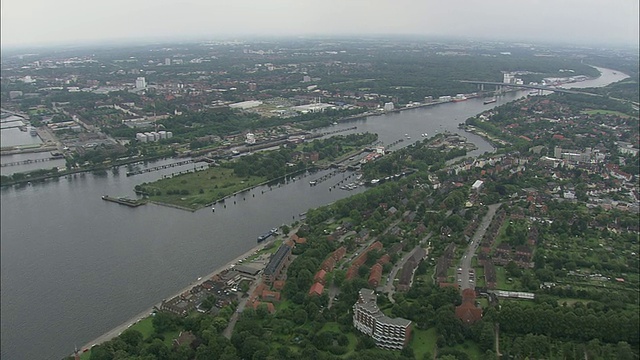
500	85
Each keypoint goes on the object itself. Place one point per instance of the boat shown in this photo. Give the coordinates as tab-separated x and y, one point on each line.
267	235
335	123
490	101
459	98
375	181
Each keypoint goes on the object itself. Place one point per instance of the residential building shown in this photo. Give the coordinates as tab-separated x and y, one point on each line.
468	312
277	262
316	289
388	333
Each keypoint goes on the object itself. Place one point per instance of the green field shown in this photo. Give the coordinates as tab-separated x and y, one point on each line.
423	341
197	189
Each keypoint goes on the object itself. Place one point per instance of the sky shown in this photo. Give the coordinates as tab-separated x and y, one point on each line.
581	22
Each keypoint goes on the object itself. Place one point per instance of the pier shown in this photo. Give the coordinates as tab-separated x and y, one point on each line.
31	161
124	201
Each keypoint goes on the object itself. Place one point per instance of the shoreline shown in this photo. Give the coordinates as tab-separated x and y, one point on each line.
113	333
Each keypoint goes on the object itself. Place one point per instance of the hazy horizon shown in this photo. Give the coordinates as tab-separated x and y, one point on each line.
73	22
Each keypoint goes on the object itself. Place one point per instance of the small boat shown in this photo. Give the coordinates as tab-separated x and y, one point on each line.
375	181
335	123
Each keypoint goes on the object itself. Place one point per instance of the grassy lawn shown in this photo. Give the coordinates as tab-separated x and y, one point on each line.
484	303
423	341
145	326
201	187
283	305
503	283
605	112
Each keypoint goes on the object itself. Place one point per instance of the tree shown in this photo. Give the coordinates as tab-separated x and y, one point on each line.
513	269
164	321
131	337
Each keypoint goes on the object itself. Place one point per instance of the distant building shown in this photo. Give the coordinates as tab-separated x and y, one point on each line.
477	185
573	155
167	61
253	86
388	106
141	83
388	333
306	78
244	105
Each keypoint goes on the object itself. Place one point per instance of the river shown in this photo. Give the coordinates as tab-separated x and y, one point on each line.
74	266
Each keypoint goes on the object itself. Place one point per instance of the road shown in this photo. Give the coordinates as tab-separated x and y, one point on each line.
462	273
241	305
389	288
